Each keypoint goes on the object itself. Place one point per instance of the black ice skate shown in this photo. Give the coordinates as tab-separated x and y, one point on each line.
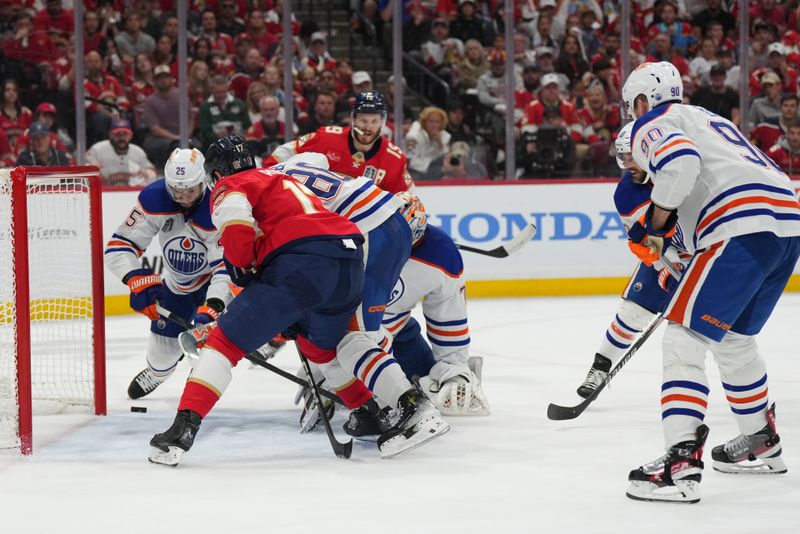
675	477
755	454
596	376
145	383
367	422
419	422
168	447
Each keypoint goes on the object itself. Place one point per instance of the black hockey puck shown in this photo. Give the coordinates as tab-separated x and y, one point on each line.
139	409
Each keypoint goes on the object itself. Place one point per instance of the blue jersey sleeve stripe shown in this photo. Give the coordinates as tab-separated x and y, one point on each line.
375	207
445	323
123	238
352	197
675	155
746	213
120	249
740	189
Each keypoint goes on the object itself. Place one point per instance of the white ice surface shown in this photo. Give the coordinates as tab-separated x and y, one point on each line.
512	472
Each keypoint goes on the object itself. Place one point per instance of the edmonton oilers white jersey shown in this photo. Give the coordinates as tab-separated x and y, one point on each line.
721	185
189	243
433	274
356	199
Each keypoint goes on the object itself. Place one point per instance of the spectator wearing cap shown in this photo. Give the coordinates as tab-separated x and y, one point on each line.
767	11
323	113
769	105
458	164
160	116
766	134
222	114
228	21
318	57
776	60
132	40
786	152
550	96
456	127
679	32
663	51
469	25
14	117
418	28
531	83
492	84
208	30
106	96
56	21
121	163
427	140
246	73
268	132
360	82
718	97
713	13
472	67
45	114
571	61
602	72
263	39
41	152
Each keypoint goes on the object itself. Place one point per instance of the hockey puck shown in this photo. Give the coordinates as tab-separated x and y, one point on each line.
139	409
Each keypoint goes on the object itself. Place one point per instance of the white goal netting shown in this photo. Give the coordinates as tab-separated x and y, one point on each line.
59	269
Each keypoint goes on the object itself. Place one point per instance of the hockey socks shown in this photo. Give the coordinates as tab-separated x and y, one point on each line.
208	382
628	323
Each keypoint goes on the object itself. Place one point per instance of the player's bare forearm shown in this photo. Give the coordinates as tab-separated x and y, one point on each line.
659	218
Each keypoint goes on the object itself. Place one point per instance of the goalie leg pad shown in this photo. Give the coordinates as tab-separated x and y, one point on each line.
460	395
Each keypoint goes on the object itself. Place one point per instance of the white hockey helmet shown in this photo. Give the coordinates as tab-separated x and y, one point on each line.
415	215
623	144
185	176
313	159
658	82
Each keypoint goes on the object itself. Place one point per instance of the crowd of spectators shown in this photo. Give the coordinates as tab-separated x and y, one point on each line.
566	82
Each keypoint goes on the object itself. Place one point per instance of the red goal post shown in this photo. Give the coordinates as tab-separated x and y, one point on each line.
52	320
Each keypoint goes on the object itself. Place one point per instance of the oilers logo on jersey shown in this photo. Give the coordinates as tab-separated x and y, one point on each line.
186	255
397	292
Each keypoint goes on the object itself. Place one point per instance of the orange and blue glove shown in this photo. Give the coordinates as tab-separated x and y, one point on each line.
145	287
209	312
647	243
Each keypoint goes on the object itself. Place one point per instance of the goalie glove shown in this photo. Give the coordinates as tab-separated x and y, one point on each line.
145	287
458	395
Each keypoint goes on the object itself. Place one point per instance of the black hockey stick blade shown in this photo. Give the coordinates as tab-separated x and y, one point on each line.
561	413
519	241
341	450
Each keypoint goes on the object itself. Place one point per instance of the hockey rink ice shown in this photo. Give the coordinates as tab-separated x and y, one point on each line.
513	472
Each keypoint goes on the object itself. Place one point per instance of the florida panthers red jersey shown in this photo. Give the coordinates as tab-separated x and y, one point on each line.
384	163
260	211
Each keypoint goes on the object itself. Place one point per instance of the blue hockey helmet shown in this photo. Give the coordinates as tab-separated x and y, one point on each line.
227	155
370	102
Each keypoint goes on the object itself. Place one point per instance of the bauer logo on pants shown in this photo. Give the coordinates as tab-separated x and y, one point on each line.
186	255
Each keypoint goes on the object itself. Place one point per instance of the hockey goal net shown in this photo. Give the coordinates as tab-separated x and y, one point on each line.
52	342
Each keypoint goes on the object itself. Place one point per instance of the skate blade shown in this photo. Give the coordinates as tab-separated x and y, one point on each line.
402	443
681	493
170	458
762	466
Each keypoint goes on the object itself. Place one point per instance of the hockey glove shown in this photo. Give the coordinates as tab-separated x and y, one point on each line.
668	282
239	275
145	287
646	242
209	312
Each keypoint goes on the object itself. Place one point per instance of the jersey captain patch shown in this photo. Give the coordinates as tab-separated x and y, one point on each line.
186	255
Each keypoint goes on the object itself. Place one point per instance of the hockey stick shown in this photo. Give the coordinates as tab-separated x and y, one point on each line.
341	450
253	357
560	413
519	241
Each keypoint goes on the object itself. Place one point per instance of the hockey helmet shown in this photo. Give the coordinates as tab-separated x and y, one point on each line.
415	215
370	102
184	175
309	159
227	155
623	144
658	82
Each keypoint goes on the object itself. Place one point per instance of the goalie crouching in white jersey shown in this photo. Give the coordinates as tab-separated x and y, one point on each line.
195	284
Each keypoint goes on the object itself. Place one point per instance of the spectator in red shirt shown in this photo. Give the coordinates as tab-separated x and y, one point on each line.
14	117
57	21
318	57
550	96
94	39
767	11
143	84
663	51
101	88
247	73
6	155
208	29
269	132
786	152
29	45
45	114
766	134
263	39
531	78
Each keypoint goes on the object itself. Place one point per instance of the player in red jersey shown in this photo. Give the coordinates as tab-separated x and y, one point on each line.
358	150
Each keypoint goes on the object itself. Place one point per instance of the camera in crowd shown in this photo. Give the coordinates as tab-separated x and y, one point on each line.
547	151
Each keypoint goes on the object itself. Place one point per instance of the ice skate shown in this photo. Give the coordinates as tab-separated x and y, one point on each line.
367	422
310	417
268	351
675	477
168	447
754	454
419	422
146	382
596	376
